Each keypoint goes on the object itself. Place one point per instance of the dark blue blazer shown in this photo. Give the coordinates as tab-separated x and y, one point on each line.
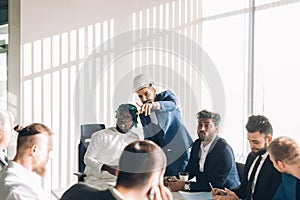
170	134
219	168
266	184
287	189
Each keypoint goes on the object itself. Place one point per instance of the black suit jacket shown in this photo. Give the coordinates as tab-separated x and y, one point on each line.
81	191
267	181
219	167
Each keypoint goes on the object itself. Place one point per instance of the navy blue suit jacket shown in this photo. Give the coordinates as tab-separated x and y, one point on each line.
170	134
219	168
267	182
287	189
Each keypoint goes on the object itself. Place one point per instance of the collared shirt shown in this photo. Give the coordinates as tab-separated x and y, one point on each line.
204	152
153	118
153	115
106	147
264	156
3	162
116	194
19	183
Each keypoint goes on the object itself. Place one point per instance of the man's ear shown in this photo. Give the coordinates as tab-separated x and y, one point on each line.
281	164
154	91
33	148
217	129
269	139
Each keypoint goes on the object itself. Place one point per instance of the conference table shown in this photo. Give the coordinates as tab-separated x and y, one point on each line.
181	195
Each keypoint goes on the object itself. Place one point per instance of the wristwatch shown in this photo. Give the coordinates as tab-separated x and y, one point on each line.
187	186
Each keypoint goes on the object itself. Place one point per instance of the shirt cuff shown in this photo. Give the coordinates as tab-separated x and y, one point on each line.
156	105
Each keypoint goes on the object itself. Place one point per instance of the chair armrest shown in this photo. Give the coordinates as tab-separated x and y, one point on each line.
80	176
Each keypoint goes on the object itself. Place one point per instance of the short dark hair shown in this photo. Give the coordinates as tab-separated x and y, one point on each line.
285	149
259	123
204	114
138	162
131	109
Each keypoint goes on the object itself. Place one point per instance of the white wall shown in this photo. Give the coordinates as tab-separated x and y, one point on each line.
59	41
66	80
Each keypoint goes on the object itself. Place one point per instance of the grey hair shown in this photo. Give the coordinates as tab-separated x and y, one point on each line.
4	116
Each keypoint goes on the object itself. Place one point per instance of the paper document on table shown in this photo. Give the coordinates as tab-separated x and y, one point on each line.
196	195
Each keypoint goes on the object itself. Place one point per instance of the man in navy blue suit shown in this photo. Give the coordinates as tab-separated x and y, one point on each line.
285	155
212	160
161	120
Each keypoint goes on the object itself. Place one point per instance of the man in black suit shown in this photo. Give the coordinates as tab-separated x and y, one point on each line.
261	180
212	160
141	169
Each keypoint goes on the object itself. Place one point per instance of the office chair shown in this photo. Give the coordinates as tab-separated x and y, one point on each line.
86	133
240	169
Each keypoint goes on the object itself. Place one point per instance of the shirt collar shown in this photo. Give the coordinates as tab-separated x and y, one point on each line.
116	194
206	148
24	173
265	155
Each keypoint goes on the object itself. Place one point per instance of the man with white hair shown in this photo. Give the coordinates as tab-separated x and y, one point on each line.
6	123
161	121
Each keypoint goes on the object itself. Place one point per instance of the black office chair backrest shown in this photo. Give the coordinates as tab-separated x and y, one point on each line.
240	169
86	133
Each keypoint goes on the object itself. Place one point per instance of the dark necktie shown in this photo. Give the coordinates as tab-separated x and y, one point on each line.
3	159
250	182
3	163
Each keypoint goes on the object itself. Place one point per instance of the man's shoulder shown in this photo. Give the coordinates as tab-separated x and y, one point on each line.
81	190
165	94
288	178
136	133
221	143
108	131
18	190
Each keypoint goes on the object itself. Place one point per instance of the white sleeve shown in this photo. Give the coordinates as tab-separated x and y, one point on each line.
91	156
22	193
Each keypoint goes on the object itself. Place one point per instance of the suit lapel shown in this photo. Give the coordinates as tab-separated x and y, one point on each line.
213	144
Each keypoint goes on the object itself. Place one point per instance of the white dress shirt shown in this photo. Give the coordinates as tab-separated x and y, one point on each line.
19	183
106	147
263	158
116	194
204	152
